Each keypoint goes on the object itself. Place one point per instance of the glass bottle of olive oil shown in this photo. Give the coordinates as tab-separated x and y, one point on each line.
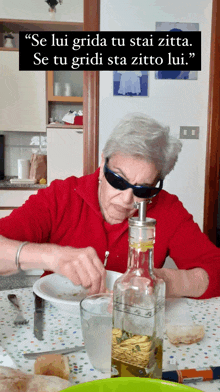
138	307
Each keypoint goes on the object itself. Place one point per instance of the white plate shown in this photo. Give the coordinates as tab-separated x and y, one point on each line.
63	294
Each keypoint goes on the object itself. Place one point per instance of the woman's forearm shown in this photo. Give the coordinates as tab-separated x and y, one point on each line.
196	282
30	256
199	282
184	283
81	265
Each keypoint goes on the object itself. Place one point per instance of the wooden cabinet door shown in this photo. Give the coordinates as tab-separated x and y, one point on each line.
22	96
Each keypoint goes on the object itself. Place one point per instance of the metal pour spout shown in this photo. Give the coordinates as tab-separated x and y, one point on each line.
142	209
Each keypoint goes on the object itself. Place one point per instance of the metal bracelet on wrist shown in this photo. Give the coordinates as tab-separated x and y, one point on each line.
18	255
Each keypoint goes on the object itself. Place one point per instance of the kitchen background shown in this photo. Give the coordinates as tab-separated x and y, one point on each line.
173	102
20	145
26	110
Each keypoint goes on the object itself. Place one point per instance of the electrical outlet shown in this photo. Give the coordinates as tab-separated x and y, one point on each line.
189	132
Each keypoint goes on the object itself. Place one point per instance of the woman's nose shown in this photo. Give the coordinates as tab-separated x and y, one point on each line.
127	196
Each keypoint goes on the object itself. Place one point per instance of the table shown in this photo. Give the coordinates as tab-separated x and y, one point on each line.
63	330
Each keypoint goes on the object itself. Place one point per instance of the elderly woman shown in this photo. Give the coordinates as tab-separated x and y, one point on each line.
67	227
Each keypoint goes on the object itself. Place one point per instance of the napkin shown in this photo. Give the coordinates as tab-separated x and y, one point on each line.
5	359
177	312
70	117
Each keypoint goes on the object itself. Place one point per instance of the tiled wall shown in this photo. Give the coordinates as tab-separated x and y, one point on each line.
18	145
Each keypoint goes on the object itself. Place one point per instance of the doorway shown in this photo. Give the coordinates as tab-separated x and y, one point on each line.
213	136
91	116
91	95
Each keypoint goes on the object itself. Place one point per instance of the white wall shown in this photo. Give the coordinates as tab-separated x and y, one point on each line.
173	102
68	11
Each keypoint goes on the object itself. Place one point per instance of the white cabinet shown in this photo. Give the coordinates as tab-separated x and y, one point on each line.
5	212
22	96
14	198
64	153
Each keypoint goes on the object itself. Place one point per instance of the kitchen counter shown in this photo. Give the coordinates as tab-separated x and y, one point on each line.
5	184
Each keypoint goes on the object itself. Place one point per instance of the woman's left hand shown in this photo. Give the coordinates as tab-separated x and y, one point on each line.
172	280
183	283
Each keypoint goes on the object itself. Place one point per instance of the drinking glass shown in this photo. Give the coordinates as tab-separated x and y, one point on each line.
96	321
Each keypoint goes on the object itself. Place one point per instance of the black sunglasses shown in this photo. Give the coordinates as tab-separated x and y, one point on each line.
119	183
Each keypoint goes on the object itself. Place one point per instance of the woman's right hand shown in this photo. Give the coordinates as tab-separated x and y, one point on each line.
82	266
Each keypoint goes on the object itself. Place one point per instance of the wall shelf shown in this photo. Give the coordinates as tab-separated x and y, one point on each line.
65	126
71	102
9	49
16	25
57	98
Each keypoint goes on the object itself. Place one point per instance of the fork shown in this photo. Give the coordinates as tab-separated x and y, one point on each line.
19	320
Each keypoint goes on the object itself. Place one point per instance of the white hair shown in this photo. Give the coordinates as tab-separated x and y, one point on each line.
141	136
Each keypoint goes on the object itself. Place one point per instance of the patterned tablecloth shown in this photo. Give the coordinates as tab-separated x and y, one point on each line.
63	330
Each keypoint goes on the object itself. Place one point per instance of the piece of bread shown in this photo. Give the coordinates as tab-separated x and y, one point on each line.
12	380
186	334
52	365
46	384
